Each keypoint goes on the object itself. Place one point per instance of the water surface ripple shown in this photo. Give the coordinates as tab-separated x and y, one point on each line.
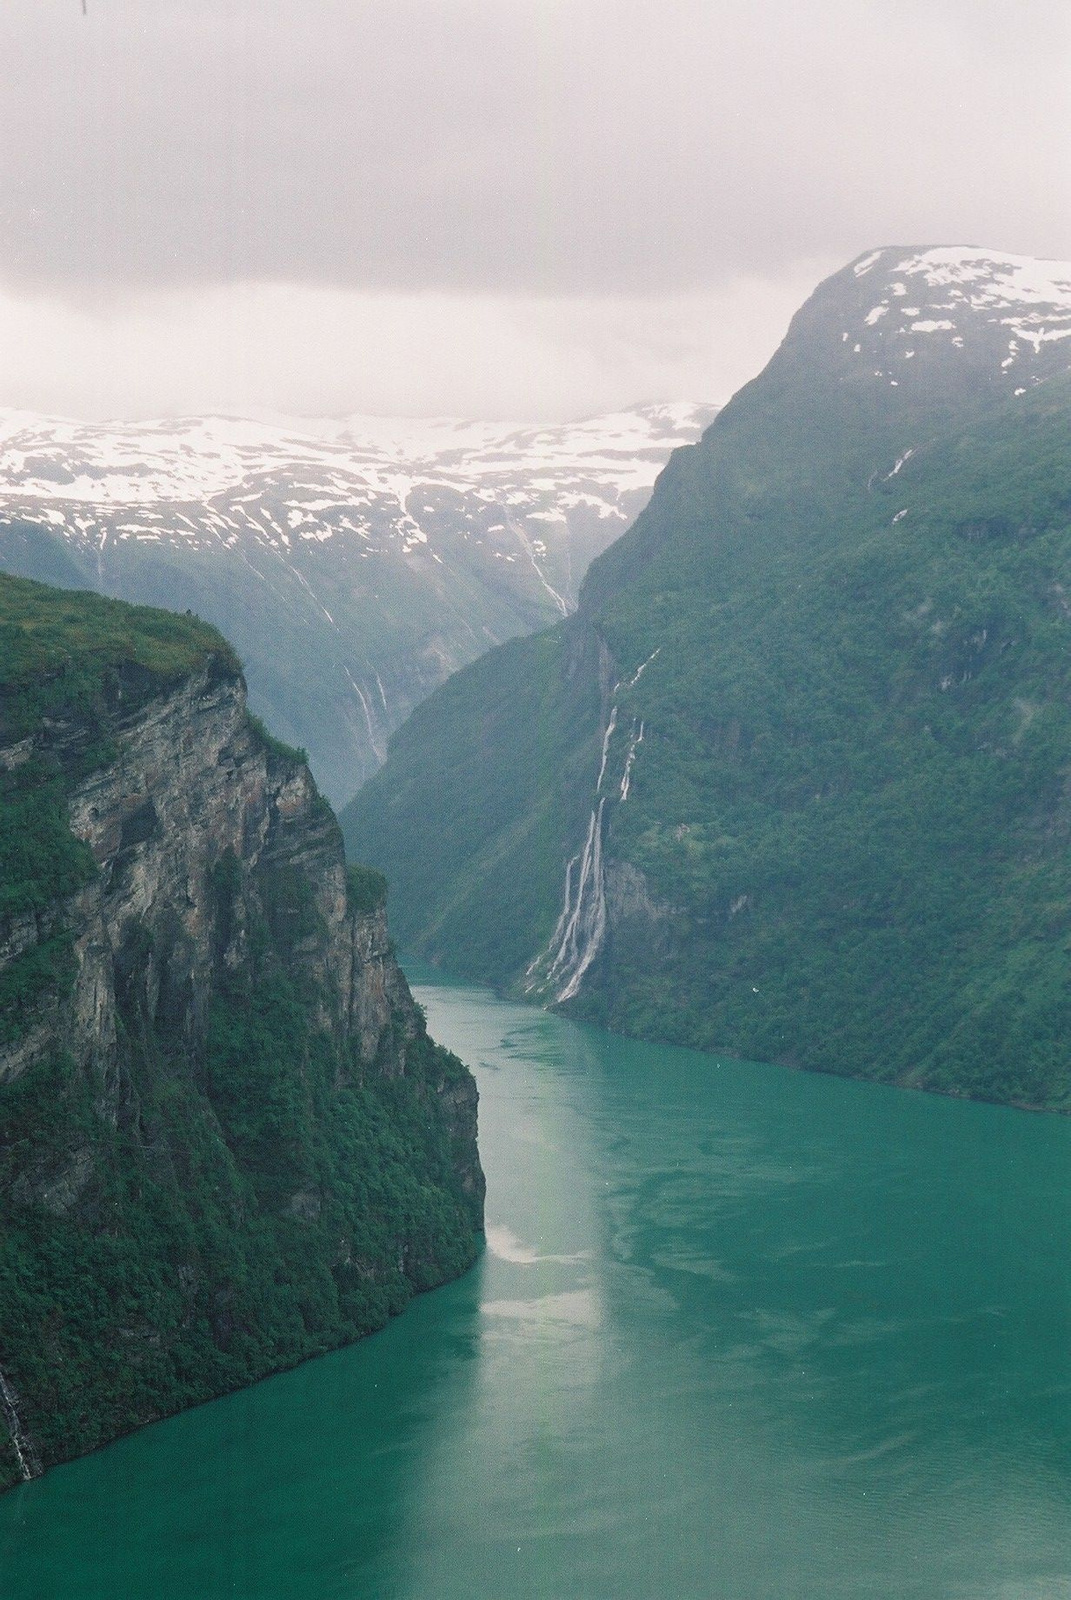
739	1332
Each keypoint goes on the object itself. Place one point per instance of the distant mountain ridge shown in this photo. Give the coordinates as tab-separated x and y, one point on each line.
791	782
355	563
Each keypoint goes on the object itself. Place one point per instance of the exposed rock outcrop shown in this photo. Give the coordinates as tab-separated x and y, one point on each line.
226	1141
194	784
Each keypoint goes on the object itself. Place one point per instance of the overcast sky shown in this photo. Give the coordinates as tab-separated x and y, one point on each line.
503	208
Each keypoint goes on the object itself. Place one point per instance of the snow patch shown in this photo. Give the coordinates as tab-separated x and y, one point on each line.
864	266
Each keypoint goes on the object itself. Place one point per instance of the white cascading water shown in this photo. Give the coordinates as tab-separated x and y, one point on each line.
642	668
585	922
29	1464
607	736
581	927
634	744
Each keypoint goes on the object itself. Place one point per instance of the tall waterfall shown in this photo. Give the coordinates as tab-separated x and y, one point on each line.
583	922
28	1459
581	927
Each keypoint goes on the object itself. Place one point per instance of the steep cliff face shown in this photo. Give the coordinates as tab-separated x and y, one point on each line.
226	1142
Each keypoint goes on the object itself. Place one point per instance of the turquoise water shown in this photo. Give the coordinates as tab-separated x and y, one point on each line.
739	1333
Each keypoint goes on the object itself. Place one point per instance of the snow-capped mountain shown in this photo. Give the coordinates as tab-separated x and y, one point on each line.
962	308
801	776
355	563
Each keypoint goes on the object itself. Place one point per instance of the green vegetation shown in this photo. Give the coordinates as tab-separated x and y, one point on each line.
850	813
272	606
366	889
245	1223
192	1212
66	654
278	747
481	866
40	860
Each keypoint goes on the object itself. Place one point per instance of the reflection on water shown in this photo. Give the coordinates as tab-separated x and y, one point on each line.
739	1333
504	1243
577	1308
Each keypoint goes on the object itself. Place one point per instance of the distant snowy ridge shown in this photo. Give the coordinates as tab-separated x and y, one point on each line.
210	480
355	563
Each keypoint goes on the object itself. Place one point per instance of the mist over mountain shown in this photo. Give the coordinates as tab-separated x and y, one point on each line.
354	564
792	781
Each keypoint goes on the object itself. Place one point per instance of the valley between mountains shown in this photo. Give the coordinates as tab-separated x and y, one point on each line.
793	781
787	778
355	563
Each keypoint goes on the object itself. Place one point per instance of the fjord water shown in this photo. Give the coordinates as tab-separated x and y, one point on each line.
739	1332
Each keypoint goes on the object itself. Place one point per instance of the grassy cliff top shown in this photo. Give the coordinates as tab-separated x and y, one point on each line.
62	649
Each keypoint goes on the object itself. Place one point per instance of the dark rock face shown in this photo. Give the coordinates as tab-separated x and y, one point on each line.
235	1048
641	925
192	785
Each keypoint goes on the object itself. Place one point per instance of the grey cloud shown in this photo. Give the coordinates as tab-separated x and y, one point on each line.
519	146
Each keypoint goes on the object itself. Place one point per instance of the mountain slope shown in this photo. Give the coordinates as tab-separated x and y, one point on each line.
797	777
226	1141
353	564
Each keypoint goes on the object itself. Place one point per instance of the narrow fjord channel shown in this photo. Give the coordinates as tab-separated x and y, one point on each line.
740	1332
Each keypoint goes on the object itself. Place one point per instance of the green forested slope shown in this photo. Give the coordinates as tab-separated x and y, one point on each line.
845	839
206	1173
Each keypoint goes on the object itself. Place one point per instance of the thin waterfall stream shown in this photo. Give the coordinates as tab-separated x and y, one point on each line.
29	1464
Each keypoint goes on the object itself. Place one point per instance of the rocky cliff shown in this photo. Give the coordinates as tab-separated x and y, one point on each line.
226	1142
